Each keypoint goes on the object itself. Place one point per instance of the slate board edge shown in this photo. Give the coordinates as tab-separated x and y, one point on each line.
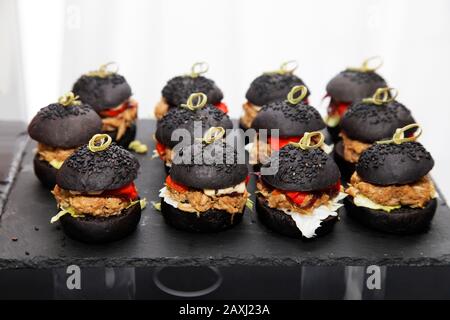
16	164
52	263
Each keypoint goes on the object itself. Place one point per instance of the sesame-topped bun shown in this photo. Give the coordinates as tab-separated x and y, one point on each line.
102	89
369	122
219	168
292	118
351	85
178	89
388	164
184	117
66	124
302	170
274	86
99	170
355	84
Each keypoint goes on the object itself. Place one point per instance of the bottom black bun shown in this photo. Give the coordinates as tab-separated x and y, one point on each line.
209	221
129	135
405	220
45	172
346	168
102	229
283	223
334	133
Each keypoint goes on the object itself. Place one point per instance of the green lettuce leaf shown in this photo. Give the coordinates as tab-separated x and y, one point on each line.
362	201
56	164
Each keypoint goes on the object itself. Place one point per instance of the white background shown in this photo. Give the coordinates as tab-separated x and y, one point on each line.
47	44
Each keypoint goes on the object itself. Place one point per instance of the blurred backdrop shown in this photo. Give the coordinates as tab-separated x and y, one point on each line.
45	45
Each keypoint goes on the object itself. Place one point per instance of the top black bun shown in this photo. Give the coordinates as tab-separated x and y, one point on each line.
64	126
87	171
102	92
219	168
353	86
178	90
291	120
388	164
270	87
183	118
302	170
369	122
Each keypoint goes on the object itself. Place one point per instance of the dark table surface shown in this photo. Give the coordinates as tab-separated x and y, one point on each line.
39	244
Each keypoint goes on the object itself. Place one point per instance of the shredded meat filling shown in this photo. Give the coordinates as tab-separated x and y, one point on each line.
353	148
96	206
197	201
250	112
161	108
260	151
48	153
122	121
278	200
416	194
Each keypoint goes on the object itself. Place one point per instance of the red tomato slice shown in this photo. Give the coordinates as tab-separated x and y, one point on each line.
175	186
129	191
114	112
222	106
336	187
337	107
160	148
297	196
277	144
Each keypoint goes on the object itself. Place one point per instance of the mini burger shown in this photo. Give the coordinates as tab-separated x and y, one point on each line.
292	117
269	87
207	195
391	190
59	129
196	111
110	95
366	122
301	199
348	87
178	89
95	193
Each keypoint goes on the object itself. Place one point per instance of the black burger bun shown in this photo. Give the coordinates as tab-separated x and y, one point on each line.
283	223
65	127
368	122
44	172
102	92
91	229
291	120
178	89
353	86
205	222
302	170
183	118
389	164
87	171
405	220
219	168
270	87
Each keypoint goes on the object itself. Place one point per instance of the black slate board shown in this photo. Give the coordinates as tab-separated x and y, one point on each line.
42	245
